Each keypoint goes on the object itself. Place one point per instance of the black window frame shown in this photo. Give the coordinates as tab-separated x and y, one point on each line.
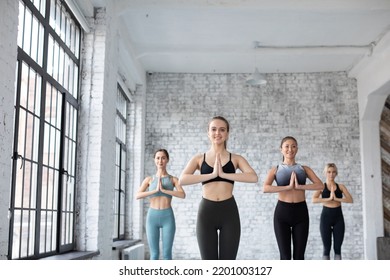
120	166
51	228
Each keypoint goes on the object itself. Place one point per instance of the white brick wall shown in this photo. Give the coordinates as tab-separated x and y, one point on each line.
96	164
320	110
8	50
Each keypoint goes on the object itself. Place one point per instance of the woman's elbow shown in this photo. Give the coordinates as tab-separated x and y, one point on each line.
182	194
253	178
182	180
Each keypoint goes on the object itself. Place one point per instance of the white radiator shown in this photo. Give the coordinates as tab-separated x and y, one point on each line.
135	252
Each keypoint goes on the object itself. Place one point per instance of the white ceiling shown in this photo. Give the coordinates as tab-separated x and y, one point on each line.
206	36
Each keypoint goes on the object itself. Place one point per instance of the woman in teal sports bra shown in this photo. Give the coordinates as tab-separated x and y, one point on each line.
160	218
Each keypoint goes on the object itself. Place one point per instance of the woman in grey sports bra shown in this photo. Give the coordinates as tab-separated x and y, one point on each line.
291	217
218	223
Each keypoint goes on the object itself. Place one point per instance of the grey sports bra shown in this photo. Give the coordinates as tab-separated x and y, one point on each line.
283	174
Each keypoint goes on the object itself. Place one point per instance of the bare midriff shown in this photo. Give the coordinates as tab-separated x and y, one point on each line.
160	202
292	196
218	191
332	204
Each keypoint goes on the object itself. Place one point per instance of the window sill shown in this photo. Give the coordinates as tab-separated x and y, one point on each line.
75	255
121	244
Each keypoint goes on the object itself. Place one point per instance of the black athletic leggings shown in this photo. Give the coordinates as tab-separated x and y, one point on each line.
222	217
291	219
332	222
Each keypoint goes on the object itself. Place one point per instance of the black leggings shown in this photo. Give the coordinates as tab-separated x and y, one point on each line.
291	219
332	222
222	216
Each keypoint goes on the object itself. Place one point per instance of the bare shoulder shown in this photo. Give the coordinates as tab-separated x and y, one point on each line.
307	168
174	178
198	157
273	169
148	179
342	187
196	160
146	182
237	157
238	160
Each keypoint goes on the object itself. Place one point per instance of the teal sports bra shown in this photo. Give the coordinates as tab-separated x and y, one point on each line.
166	184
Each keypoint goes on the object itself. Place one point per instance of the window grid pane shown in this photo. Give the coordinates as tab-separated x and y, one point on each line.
68	194
40	5
44	151
30	36
120	165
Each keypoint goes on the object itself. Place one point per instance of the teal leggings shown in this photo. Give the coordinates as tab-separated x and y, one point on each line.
164	220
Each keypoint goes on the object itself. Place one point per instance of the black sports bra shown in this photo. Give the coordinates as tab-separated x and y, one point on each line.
326	192
227	168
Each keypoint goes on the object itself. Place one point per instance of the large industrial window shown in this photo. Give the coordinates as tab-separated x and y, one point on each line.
44	154
120	178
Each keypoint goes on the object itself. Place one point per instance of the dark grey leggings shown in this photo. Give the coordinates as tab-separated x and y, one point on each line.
218	217
291	220
332	222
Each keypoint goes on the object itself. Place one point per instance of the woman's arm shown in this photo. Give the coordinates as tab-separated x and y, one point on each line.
142	193
247	174
318	199
270	178
347	197
316	182
179	192
188	177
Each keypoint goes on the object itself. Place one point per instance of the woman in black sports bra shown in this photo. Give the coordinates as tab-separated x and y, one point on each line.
332	219
218	227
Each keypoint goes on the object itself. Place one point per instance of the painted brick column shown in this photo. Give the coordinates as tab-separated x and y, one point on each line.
97	137
8	50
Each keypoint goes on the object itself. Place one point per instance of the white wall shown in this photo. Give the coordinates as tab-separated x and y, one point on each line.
373	76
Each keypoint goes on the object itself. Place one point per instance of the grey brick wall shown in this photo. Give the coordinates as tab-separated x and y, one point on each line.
319	109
